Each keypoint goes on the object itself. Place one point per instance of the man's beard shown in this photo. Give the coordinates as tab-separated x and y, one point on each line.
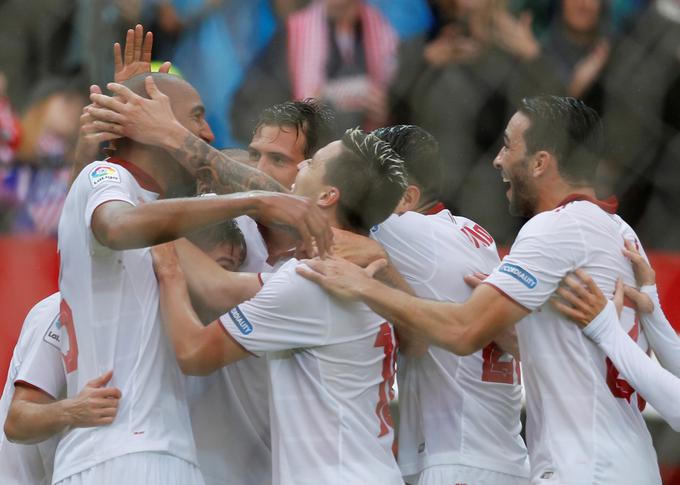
523	197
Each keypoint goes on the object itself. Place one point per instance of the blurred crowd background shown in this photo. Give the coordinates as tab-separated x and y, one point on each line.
455	67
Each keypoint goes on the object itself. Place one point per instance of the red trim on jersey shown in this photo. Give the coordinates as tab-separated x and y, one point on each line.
146	181
231	337
28	385
435	209
608	205
628	303
506	295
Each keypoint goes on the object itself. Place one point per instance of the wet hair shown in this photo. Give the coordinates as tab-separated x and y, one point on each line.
224	232
420	152
309	117
371	178
570	130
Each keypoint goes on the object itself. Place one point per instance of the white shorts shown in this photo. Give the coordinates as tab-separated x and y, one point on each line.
144	468
466	475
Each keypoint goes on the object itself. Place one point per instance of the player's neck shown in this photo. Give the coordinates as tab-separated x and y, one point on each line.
552	197
147	160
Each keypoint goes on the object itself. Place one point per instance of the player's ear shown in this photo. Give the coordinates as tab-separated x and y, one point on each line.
540	163
409	201
329	196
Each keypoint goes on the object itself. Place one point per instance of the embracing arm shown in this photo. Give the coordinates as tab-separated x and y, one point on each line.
658	386
459	328
582	301
211	286
120	225
199	349
35	416
662	337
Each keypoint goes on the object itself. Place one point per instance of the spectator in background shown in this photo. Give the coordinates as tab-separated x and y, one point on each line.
216	40
9	126
98	24
642	119
342	51
408	17
577	46
38	181
458	82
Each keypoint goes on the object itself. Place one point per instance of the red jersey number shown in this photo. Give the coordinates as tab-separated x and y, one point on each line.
71	355
496	370
478	235
620	387
385	339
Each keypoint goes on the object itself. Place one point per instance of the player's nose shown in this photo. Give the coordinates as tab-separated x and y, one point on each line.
497	162
206	133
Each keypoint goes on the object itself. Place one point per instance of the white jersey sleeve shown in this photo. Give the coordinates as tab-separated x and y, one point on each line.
658	386
42	366
547	248
661	336
283	315
106	184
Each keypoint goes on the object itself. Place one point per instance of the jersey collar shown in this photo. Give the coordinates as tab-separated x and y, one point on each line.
610	204
435	209
146	181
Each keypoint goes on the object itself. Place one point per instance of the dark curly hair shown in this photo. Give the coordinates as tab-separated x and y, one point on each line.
310	117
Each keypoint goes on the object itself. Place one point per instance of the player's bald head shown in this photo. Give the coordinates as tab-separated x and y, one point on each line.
169	84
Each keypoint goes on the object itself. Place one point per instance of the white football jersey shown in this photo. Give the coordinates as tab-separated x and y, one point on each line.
36	362
331	366
583	421
230	408
257	254
452	410
110	307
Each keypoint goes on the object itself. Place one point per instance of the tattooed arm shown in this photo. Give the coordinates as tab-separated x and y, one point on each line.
214	168
151	121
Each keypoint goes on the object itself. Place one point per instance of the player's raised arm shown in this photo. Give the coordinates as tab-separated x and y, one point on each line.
589	308
199	349
460	328
35	416
134	60
151	121
121	225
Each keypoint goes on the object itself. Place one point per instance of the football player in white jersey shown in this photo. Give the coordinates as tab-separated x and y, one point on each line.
109	295
331	364
459	416
235	398
30	408
583	421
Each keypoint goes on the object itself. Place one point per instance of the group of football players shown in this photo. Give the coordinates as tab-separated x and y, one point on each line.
243	322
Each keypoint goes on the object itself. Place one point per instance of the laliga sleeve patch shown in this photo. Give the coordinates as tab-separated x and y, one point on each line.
240	321
520	274
104	173
53	334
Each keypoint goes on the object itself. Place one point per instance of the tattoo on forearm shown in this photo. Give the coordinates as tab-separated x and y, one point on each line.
220	172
